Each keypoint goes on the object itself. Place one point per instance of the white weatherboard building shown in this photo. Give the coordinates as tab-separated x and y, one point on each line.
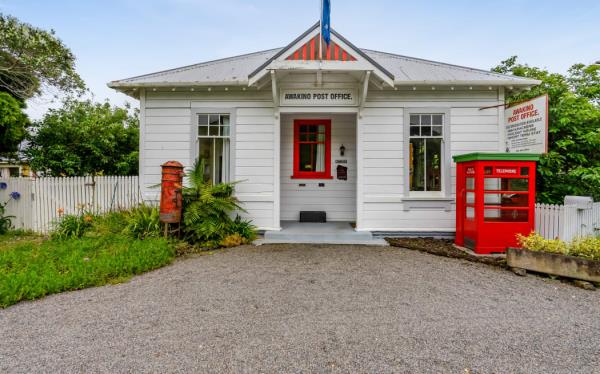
364	136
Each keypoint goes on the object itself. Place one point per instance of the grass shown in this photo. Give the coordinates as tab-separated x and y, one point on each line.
31	268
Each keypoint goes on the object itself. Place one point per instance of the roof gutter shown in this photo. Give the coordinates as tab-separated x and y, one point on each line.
119	84
494	83
516	83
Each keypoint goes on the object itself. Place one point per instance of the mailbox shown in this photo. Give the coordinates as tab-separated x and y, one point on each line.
170	192
581	202
495	199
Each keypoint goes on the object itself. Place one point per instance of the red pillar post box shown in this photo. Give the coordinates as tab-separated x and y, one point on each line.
495	200
170	192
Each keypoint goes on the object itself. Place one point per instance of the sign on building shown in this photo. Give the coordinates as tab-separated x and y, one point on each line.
526	126
312	97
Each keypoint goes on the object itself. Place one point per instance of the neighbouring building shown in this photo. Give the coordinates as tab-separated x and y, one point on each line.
364	136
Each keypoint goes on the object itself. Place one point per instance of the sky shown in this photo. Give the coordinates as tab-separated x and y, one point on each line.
115	39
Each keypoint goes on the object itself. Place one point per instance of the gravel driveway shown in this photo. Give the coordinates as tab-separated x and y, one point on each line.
301	308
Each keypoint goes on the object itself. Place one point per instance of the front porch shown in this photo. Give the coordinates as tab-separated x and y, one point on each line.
321	233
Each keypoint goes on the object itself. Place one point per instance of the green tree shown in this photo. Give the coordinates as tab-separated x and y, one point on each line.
13	124
85	138
572	164
33	60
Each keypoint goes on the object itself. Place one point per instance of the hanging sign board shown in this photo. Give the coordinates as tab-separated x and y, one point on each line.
526	126
318	97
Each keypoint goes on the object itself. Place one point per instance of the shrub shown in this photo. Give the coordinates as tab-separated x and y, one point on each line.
73	225
143	222
535	242
5	221
232	240
244	228
588	247
110	223
208	209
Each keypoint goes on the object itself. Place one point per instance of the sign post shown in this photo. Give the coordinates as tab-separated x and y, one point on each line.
526	126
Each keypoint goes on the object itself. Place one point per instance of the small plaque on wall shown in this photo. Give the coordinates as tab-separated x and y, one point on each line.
341	161
342	173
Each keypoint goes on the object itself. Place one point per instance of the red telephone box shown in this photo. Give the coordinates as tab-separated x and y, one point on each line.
495	199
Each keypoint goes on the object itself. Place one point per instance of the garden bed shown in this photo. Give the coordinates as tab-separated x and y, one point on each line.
443	247
554	264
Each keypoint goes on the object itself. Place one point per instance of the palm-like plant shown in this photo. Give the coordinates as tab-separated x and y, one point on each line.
207	206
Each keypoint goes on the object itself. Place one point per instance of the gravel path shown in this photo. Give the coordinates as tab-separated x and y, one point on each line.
300	308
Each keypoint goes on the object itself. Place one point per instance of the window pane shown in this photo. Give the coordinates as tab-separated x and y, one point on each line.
470	197
202	130
426	131
524	171
203	119
437	119
425	120
213	119
417	164
321	138
506	184
492	184
307	157
225	120
414	131
433	165
206	155
470	212
436	131
414	120
517	184
225	131
213	131
520	200
492	199
215	155
470	183
505	215
322	129
218	166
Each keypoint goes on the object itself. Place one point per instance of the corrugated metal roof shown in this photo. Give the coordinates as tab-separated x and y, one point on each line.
406	70
415	70
231	70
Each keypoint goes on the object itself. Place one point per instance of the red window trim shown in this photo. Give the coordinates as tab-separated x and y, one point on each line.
312	174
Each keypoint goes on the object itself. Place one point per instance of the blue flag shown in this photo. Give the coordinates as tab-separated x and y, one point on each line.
326	21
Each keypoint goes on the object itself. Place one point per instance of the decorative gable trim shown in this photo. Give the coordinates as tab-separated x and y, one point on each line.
309	51
302	54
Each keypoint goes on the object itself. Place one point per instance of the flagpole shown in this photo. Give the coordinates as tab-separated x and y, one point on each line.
321	33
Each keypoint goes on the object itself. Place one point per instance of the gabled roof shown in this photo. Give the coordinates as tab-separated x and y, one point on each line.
402	70
313	30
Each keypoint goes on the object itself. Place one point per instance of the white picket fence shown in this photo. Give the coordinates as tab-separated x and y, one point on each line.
566	222
41	199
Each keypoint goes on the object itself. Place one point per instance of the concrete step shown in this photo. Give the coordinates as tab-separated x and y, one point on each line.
325	233
375	242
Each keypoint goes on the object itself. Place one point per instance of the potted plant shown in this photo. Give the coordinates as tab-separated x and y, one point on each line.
579	259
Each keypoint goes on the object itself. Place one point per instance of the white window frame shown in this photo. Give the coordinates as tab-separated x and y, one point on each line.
196	137
446	162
